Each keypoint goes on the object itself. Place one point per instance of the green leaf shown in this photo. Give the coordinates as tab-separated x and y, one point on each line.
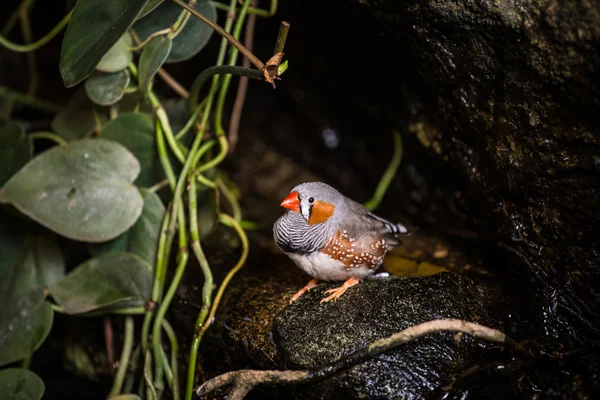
95	27
152	58
109	280
77	119
191	39
150	5
15	150
29	264
20	384
119	55
135	131
142	238
24	326
82	191
105	88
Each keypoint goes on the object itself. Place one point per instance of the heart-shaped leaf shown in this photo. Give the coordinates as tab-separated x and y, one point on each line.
105	88
135	131
28	265
152	58
119	55
142	238
82	191
15	150
95	27
106	281
78	118
193	37
20	384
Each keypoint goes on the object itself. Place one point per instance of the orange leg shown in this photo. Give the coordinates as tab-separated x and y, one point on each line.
337	292
312	284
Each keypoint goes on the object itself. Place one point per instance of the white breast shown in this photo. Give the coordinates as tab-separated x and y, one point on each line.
321	266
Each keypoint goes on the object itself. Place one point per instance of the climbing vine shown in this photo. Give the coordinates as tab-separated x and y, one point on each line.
121	172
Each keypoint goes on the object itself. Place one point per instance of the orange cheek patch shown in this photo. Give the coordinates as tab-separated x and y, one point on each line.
321	212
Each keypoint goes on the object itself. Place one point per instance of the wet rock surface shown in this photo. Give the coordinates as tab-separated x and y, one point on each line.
309	334
257	328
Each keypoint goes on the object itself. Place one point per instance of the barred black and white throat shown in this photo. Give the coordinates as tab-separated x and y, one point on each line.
293	232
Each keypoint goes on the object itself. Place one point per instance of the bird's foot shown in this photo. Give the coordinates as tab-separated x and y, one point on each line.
312	284
337	292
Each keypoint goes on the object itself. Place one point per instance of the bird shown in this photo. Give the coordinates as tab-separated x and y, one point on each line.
332	237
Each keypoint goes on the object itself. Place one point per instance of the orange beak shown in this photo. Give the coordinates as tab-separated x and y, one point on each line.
292	202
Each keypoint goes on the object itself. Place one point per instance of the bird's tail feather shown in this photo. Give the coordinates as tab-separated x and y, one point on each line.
395	229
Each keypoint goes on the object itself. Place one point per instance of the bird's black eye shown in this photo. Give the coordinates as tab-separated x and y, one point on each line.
311	200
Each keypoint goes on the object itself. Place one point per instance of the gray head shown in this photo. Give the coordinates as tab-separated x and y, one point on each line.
315	201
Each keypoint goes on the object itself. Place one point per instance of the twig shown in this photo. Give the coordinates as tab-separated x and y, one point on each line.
235	43
109	343
388	175
173	84
244	380
240	97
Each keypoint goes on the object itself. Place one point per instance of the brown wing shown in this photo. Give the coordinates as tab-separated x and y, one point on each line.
366	251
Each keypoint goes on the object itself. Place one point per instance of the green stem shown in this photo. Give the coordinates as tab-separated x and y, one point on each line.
49	136
164	360
231	39
130	380
141	45
26	362
219	70
130	311
207	288
164	306
30	101
125	355
219	131
228	221
180	23
162	116
251	10
205	147
235	206
160	257
388	175
21	48
150	391
163	156
174	353
57	308
284	28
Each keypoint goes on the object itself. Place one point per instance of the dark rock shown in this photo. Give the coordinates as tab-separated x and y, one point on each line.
309	334
257	328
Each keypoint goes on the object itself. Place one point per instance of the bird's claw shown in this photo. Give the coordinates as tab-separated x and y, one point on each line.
312	284
337	292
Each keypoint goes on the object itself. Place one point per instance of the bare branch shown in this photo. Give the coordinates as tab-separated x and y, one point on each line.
244	380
